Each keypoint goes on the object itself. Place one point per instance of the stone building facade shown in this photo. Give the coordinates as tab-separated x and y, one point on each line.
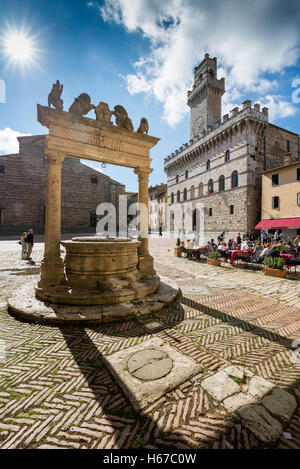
221	165
157	207
23	191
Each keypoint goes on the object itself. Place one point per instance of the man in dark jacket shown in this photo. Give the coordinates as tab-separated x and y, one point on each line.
29	242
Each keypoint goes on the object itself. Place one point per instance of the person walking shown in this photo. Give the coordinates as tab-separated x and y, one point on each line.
160	230
24	246
29	241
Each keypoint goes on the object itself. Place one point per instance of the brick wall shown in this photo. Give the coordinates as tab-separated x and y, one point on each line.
23	190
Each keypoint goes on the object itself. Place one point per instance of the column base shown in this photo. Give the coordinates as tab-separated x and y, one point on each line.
52	273
145	266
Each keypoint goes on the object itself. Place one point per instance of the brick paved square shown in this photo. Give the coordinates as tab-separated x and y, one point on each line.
56	389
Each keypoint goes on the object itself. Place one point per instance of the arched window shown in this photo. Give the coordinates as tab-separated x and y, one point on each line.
172	198
221	183
235	179
200	190
177	178
210	186
178	196
208	164
227	155
192	192
186	174
185	194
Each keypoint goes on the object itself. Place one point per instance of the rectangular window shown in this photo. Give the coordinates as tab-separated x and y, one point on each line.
2	169
275	180
298	174
288	146
275	202
93	220
210	212
94	180
231	209
298	199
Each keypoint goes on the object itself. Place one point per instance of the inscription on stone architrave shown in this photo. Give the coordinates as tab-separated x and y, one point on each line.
105	142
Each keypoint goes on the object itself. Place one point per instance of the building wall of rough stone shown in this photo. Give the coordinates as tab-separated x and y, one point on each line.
219	201
23	190
276	146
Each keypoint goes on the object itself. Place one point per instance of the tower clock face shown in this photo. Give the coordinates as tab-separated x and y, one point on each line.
198	125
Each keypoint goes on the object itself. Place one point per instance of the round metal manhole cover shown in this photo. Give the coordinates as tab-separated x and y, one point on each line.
149	364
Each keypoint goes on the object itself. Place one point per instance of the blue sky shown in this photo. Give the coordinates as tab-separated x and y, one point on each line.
141	54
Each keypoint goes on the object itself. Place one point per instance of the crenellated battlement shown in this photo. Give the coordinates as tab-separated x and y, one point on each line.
236	116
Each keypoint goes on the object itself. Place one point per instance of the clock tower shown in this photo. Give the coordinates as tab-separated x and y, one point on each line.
205	99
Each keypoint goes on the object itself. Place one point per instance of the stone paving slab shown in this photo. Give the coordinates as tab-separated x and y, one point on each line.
175	369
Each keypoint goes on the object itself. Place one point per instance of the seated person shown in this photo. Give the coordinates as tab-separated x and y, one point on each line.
213	244
183	250
275	252
222	249
246	245
256	251
194	243
266	251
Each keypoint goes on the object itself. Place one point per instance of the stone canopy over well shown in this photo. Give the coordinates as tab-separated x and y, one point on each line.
96	272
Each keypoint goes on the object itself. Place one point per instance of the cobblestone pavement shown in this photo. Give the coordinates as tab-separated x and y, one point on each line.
56	392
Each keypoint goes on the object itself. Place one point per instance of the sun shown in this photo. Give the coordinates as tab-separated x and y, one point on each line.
19	48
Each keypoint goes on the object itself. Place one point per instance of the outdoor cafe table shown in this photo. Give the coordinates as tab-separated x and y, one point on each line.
235	253
285	257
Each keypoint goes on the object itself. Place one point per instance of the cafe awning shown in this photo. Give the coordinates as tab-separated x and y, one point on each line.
279	223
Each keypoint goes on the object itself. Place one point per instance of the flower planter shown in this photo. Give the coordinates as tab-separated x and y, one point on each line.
215	262
275	272
177	252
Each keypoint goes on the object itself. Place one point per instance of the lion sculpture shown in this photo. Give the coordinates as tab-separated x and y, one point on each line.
81	105
54	97
122	119
144	126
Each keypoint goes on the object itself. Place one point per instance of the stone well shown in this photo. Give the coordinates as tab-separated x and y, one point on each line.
104	264
102	283
100	271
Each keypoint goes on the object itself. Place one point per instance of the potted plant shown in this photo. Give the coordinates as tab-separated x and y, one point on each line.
177	251
274	266
213	259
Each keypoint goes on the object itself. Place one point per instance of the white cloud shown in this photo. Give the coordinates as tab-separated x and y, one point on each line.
8	141
279	108
249	38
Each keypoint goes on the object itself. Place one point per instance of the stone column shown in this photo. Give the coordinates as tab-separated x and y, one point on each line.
52	267
145	260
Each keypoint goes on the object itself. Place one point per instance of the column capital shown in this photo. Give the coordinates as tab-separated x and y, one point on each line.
54	157
143	172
